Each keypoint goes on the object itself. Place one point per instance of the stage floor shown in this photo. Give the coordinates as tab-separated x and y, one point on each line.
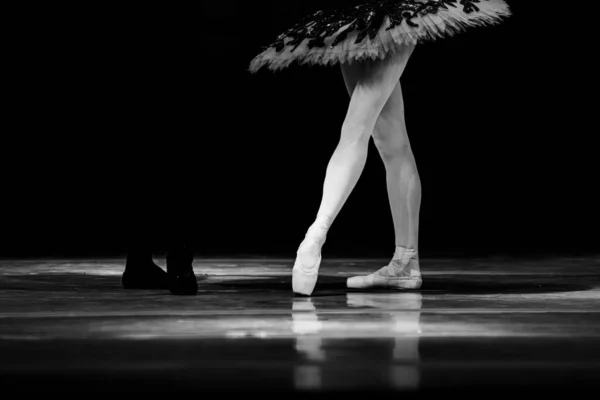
476	324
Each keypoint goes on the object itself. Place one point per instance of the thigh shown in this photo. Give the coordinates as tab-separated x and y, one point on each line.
370	84
370	72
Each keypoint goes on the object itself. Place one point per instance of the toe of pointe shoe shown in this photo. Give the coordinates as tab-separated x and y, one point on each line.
304	279
359	282
303	283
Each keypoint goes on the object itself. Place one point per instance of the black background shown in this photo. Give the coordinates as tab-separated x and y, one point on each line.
125	119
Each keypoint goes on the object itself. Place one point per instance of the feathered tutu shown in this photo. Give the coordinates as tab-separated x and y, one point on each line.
373	29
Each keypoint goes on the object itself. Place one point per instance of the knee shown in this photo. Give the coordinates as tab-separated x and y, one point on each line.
392	151
410	175
361	120
390	143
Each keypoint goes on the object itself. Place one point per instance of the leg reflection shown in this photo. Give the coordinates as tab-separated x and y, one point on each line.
372	340
403	311
309	343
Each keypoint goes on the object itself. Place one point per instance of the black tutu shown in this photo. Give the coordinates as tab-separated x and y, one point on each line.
373	29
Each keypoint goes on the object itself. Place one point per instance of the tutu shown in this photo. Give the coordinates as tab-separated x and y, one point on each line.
373	29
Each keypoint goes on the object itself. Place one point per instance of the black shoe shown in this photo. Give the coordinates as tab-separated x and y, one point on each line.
181	277
142	273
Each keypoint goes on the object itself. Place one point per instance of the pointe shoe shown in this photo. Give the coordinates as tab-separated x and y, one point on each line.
304	277
389	277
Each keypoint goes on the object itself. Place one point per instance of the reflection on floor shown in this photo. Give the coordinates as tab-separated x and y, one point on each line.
488	323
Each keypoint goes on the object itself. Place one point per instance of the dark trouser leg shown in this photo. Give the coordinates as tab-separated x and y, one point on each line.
142	235
180	221
159	153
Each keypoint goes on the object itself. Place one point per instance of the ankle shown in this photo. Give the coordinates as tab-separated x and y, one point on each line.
319	228
405	261
403	255
323	220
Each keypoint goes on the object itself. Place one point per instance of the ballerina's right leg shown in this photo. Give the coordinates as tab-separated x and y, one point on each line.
404	191
373	82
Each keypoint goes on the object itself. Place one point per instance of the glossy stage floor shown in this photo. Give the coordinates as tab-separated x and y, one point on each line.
477	326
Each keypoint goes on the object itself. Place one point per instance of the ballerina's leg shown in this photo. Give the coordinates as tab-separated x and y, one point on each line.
372	83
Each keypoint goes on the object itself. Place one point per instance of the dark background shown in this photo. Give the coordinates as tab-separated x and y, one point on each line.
145	120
